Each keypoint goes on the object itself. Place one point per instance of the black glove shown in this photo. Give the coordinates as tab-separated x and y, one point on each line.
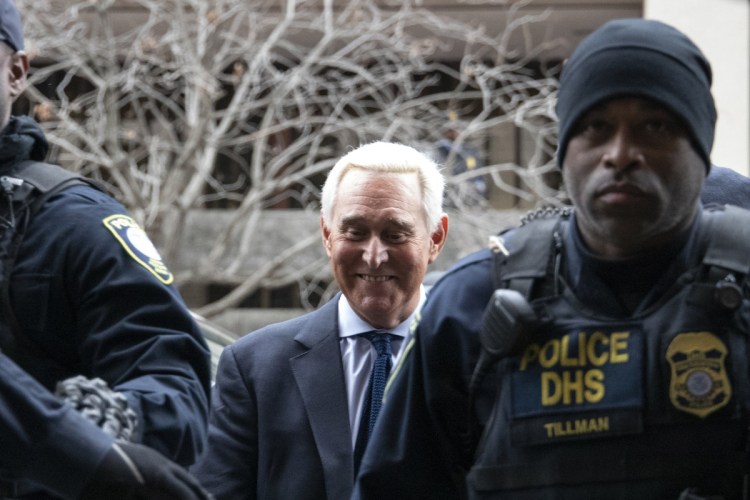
135	472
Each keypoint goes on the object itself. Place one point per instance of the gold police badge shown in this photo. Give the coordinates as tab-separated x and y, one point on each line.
699	382
136	243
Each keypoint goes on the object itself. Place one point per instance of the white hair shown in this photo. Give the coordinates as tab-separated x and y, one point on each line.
388	157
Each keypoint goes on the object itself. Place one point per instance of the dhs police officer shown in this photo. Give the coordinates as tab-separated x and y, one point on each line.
88	308
600	352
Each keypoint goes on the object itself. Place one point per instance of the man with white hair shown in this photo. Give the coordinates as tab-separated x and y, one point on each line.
294	402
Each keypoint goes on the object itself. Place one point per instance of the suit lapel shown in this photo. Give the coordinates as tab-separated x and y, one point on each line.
320	378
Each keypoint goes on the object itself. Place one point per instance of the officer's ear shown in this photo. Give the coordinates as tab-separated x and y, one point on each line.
18	68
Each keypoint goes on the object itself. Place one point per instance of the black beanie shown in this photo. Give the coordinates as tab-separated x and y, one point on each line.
11	30
638	58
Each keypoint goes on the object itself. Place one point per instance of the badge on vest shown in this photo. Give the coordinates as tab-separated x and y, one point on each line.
699	383
137	244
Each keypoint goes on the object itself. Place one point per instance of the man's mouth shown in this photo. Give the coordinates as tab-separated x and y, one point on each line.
374	278
617	193
621	188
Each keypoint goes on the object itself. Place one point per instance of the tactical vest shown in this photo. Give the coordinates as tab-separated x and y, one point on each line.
24	188
645	407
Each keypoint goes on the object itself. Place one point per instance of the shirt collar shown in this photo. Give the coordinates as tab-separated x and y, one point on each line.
351	324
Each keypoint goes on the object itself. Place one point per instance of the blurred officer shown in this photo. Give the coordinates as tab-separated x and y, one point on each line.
460	158
49	443
598	354
294	402
88	308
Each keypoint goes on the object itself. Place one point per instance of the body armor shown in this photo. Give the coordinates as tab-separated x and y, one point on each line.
641	407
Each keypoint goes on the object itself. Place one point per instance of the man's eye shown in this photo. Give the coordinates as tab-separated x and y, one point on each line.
592	128
595	125
657	126
661	128
354	233
396	237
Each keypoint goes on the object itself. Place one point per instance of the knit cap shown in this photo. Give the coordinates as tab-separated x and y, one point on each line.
11	30
638	58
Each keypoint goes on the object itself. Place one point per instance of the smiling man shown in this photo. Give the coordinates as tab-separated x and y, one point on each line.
294	402
613	334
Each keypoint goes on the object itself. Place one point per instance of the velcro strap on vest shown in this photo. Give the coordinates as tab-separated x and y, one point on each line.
602	470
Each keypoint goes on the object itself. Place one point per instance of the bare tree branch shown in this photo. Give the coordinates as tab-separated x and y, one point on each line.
178	105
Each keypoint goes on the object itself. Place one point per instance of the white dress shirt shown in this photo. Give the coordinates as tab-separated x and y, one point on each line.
358	355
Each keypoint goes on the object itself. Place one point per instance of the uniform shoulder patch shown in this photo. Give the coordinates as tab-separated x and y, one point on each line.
136	243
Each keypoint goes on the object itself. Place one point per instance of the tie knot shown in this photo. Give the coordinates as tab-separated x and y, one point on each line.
381	340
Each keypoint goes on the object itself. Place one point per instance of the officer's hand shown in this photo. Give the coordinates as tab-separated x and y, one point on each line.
136	472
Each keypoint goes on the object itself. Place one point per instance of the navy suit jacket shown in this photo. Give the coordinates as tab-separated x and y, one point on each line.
279	424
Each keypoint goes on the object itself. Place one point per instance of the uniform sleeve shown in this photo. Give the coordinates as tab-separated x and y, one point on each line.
726	187
418	449
104	306
43	439
228	469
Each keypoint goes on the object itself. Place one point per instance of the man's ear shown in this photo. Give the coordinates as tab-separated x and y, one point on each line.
18	69
325	233
438	238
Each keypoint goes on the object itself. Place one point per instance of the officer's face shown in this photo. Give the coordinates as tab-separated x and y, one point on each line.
13	68
379	244
633	177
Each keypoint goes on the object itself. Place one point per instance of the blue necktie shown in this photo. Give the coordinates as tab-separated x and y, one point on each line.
375	389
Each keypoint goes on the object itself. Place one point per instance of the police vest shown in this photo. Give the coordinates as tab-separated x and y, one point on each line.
24	188
593	407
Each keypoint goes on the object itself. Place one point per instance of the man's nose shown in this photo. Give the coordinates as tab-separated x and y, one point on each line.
375	253
622	151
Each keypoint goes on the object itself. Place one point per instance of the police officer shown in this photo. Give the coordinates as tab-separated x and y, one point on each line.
601	353
88	308
460	158
46	441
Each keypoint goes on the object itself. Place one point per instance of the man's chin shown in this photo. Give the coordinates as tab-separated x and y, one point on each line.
380	312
